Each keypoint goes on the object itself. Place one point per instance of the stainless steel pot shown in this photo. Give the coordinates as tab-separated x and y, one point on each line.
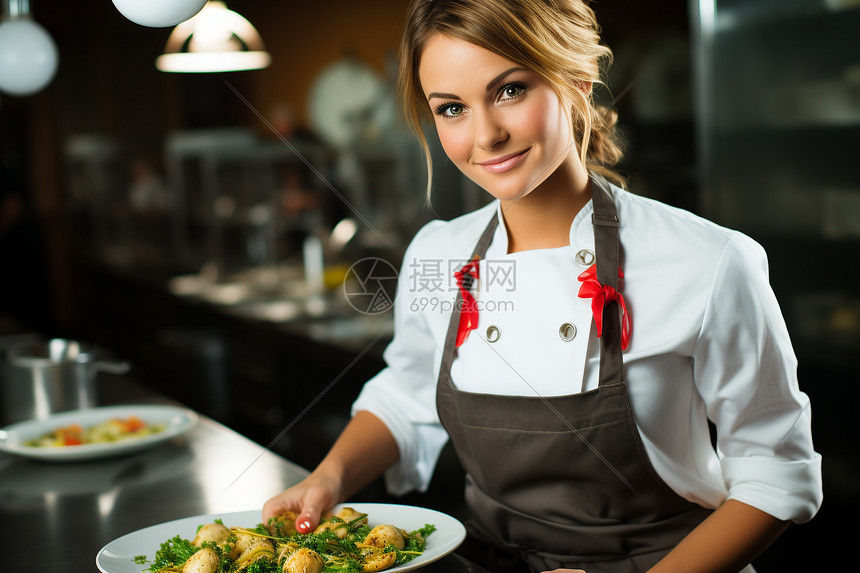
40	378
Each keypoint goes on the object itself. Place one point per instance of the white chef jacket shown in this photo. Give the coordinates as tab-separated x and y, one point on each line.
708	341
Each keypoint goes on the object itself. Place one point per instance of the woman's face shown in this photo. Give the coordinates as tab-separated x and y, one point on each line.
501	124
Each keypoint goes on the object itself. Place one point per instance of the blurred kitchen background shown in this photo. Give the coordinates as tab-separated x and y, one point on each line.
202	226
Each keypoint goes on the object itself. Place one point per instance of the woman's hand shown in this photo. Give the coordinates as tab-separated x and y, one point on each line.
361	454
309	499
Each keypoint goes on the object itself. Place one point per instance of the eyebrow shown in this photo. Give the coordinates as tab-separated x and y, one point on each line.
501	76
431	95
495	81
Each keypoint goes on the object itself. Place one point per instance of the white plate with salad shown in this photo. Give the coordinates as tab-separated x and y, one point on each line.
135	552
96	433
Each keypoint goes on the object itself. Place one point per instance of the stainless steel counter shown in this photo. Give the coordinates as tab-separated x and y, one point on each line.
54	517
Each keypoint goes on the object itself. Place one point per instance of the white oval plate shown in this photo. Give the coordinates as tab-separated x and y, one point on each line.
177	422
118	555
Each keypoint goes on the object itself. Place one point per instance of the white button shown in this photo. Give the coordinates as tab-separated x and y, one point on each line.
567	331
493	333
585	258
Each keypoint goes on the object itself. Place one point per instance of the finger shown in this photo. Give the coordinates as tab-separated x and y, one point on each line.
315	501
284	502
308	520
272	508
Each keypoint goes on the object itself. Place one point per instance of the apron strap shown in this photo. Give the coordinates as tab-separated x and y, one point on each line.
606	247
453	325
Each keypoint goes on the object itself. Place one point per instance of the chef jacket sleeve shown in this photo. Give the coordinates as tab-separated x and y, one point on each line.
403	394
746	372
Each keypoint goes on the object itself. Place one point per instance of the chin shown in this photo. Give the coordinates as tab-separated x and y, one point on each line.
506	197
508	191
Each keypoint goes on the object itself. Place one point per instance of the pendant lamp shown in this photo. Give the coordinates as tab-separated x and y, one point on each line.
28	53
215	40
158	13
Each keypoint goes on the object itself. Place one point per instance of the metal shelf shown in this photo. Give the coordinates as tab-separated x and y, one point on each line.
745	14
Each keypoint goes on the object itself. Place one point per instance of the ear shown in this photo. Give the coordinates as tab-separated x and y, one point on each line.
583	86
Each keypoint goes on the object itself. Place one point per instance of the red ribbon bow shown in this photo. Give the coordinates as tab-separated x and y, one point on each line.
600	295
469	312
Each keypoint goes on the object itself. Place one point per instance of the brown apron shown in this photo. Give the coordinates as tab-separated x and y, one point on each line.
565	481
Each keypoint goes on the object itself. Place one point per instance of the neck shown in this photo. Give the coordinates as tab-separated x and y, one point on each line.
542	218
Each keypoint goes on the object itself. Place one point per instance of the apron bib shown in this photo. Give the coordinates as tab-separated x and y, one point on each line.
565	481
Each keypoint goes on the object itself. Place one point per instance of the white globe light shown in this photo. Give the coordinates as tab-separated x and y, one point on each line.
28	57
158	13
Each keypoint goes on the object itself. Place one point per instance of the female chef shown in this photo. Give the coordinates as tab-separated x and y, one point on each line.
595	333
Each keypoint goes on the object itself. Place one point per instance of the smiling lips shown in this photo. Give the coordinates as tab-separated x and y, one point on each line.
505	162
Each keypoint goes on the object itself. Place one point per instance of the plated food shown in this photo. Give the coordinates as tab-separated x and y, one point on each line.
118	556
111	430
344	542
136	431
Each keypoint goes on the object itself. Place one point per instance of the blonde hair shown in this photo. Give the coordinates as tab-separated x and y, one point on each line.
558	39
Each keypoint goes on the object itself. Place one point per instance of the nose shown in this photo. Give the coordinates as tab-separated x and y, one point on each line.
489	132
